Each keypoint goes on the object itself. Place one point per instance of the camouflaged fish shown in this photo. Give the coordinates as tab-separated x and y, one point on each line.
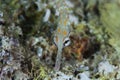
61	37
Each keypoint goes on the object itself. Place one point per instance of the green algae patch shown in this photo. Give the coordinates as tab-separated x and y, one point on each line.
110	15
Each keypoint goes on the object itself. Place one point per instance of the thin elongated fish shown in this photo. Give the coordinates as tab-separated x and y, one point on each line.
61	37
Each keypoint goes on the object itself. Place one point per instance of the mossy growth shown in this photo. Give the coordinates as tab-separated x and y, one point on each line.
110	15
42	74
39	71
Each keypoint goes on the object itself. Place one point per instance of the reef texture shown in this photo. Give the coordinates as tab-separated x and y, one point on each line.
32	33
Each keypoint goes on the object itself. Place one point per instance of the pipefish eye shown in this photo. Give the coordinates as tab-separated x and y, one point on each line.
66	42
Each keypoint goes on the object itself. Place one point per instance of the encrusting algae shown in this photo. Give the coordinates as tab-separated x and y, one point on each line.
59	39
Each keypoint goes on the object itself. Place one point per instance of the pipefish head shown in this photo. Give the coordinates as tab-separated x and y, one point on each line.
61	38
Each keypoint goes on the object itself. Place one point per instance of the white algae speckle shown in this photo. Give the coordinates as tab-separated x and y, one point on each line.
39	51
47	15
84	76
105	68
62	76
